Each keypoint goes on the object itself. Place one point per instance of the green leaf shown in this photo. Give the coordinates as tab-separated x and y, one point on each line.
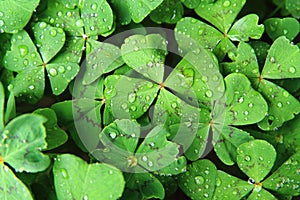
253	160
199	180
230	187
283	60
261	195
2	102
60	75
75	179
244	61
168	11
103	58
227	142
276	27
22	140
147	186
246	28
141	8
129	97
286	179
15	15
55	135
23	54
146	55
122	11
10	111
244	105
45	34
191	33
11	186
293	7
221	13
190	3
282	105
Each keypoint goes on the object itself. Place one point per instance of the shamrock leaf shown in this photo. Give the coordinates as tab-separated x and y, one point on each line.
286	179
278	65
75	179
276	27
15	15
142	186
30	63
22	138
199	180
253	163
293	7
191	33
155	153
55	135
11	186
167	12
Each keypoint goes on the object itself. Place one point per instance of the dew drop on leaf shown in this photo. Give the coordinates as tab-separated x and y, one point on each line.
1	22
247	158
199	180
61	69
23	50
131	97
64	173
208	93
292	70
53	72
53	33
94	6
79	23
42	25
226	3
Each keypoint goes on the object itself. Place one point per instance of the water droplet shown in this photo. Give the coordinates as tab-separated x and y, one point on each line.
272	59
241	100
133	108
113	135
279	104
53	32
31	87
59	13
246	112
204	78
85	197
150	163
61	69
261	158
69	14
218	182
23	50
1	22
174	105
144	158
64	173
131	97
226	3
92	28
285	94
42	25
247	158
124	106
292	70
199	180
69	68
79	23
205	195
25	62
53	72
285	31
94	6
208	93
251	181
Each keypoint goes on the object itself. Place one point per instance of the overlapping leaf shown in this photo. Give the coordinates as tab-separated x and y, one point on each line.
276	27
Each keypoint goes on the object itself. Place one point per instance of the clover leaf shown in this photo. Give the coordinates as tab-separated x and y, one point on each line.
15	15
167	12
276	27
75	179
278	65
30	62
191	32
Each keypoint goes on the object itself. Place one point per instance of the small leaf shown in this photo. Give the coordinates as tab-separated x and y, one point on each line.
103	58
199	180
286	179
55	136
221	13
244	105
246	28
146	55
11	186
15	15
276	27
282	105
253	160
75	179
44	34
283	60
190	34
230	187
22	140
23	53
168	11
147	186
141	8
129	97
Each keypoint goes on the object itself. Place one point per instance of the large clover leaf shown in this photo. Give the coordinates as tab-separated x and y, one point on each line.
15	15
279	64
191	32
75	179
31	61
